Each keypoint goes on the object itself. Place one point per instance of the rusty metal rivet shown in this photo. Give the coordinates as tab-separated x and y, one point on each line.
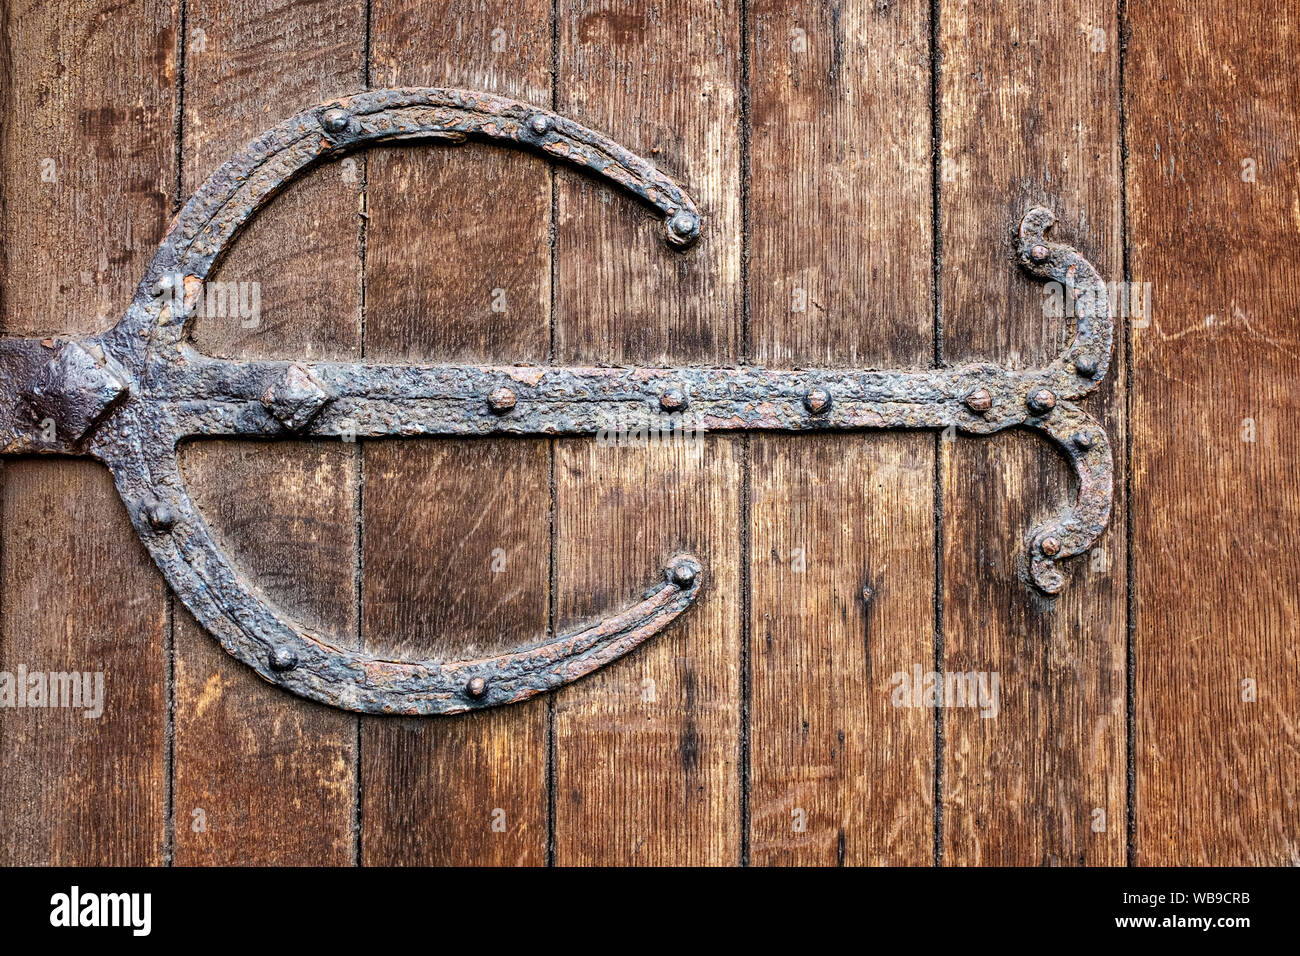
296	398
502	400
979	401
1039	253
283	658
335	120
683	574
673	400
476	687
540	125
1050	546
683	227
817	401
160	516
1082	440
1041	401
1085	366
76	389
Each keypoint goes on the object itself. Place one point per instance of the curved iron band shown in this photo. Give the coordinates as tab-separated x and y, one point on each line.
234	193
138	442
1082	365
308	663
1083	442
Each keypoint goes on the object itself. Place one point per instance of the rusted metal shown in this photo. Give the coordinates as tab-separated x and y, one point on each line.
129	396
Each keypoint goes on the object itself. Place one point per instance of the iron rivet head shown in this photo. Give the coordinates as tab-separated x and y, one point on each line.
1039	253
296	397
77	389
283	658
1085	366
502	400
476	688
541	125
1050	546
673	400
683	228
160	516
818	401
979	401
683	574
1041	401
335	120
1083	440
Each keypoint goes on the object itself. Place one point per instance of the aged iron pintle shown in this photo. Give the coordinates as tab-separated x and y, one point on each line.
129	396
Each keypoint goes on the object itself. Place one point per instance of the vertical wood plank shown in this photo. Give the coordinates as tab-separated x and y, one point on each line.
86	174
1214	218
646	750
665	84
262	777
455	541
1028	116
841	275
81	595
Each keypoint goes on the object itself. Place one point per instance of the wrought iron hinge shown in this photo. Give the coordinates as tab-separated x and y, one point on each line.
129	396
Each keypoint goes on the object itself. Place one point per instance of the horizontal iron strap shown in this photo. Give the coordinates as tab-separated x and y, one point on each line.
375	400
378	418
200	377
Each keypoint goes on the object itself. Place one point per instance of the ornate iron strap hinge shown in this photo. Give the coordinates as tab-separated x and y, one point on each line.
129	396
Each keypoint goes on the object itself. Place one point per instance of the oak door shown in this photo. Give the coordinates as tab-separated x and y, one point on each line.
861	167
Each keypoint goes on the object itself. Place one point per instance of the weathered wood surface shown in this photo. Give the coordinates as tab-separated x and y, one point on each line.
1213	222
647	751
838	774
261	777
87	176
1028	115
455	534
861	167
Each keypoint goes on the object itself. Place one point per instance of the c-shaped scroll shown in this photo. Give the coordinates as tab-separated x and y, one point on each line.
130	396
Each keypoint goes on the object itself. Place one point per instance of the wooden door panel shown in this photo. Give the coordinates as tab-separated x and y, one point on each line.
1213	217
260	776
455	537
88	179
647	751
861	168
1027	116
841	534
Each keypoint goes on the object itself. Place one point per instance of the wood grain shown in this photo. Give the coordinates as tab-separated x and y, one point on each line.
839	276
86	154
262	777
1214	432
647	750
665	85
455	539
80	595
1028	112
820	550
